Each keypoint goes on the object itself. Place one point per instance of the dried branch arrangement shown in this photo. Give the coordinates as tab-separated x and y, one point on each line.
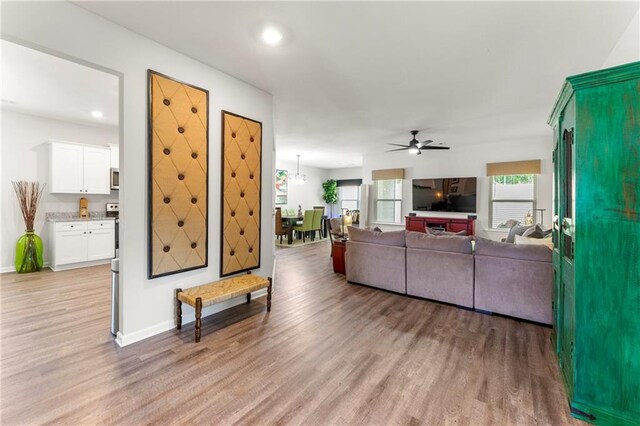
29	194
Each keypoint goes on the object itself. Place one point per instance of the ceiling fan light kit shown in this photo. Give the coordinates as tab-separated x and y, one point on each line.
415	147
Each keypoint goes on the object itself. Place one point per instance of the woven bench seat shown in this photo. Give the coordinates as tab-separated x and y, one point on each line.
219	291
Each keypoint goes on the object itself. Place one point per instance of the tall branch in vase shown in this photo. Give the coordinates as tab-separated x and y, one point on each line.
29	255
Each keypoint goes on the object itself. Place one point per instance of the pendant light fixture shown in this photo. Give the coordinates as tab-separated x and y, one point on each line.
298	178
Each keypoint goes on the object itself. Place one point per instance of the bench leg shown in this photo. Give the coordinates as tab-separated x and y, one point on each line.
248	298
198	318
269	294
178	310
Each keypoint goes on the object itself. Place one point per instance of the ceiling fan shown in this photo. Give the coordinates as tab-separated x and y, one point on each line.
416	147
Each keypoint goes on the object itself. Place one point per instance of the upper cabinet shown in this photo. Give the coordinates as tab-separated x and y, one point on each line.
115	157
79	169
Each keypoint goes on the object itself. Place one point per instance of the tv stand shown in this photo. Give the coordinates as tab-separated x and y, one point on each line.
449	224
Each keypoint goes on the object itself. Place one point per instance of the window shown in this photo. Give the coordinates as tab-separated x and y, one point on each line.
512	197
349	197
388	200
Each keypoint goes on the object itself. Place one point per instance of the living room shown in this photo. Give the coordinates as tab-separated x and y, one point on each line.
218	323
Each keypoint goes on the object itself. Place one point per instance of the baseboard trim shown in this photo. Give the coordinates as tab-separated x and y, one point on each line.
127	339
80	265
8	269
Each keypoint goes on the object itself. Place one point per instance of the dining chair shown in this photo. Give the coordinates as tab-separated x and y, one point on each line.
317	223
307	224
280	229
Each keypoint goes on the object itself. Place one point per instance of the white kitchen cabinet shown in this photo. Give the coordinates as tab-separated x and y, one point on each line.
81	243
66	168
97	170
79	169
115	157
101	241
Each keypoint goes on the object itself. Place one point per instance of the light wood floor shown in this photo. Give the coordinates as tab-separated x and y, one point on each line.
328	353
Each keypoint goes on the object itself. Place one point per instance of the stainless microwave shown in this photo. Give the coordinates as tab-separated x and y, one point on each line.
115	178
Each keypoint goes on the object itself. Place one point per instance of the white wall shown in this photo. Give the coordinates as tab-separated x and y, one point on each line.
627	49
469	161
308	194
345	173
147	306
25	156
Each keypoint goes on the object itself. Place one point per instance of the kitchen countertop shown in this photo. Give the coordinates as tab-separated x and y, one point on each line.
75	217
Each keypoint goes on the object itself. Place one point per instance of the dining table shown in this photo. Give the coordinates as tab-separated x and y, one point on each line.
290	221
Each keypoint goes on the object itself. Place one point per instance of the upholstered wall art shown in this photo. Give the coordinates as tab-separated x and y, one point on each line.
241	194
178	175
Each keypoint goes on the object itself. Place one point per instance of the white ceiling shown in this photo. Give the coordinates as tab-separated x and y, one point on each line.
352	76
41	84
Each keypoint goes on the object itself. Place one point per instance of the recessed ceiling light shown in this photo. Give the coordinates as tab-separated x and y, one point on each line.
271	36
97	114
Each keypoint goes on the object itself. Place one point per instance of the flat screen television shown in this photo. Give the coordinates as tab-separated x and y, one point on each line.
445	195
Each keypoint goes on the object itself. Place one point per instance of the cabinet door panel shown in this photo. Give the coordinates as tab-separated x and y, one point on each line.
101	244
66	169
70	247
97	166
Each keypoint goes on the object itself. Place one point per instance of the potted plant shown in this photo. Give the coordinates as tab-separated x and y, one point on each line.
330	193
29	247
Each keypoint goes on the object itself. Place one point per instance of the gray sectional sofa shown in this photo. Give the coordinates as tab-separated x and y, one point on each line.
513	280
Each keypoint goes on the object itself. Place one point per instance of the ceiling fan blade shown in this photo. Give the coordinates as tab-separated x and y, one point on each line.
395	144
427	142
400	149
434	147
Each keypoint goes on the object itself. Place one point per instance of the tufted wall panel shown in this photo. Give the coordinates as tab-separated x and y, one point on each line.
241	193
178	175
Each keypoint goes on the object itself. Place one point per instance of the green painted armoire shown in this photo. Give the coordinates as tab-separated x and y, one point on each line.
596	259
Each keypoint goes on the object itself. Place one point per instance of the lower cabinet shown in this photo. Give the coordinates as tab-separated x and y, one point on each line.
77	244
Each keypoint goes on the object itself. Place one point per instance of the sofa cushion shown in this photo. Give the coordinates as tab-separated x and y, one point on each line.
546	241
393	238
517	230
538	253
450	243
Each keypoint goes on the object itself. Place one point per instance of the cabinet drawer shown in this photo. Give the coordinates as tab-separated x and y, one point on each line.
101	224
70	226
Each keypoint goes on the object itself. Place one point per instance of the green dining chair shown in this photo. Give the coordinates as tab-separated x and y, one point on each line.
307	224
317	223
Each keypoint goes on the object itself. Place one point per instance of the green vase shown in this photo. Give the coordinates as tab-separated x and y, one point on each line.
29	253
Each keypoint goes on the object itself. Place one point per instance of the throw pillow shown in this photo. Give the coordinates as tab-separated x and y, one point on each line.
535	232
548	241
431	231
517	230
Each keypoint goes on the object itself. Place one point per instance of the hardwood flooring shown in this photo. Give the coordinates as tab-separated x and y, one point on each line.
328	353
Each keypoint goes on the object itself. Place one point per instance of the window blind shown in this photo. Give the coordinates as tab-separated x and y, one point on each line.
387	174
528	167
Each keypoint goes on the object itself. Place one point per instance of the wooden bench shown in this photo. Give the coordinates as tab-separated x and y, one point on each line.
219	291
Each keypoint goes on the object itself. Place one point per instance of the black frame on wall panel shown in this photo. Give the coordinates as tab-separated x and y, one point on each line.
150	275
222	113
